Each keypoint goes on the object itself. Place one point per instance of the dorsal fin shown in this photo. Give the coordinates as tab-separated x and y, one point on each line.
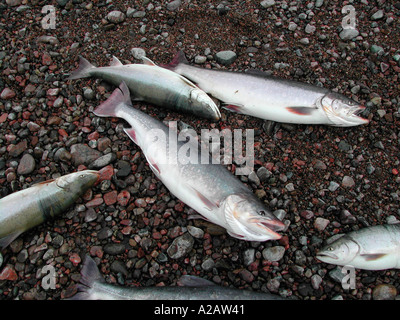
115	62
148	62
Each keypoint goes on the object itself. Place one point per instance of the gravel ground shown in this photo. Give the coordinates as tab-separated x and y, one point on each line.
324	180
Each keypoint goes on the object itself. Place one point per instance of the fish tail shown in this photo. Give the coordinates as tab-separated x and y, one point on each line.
176	61
89	275
118	98
83	70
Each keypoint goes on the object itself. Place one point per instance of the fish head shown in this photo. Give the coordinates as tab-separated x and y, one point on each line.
342	111
340	252
201	101
248	219
78	181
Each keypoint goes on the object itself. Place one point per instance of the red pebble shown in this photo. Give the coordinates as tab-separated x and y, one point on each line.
8	273
75	259
123	197
106	173
395	171
110	197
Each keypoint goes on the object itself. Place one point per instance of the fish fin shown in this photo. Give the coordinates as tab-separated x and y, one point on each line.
5	241
83	70
154	167
115	62
373	256
193	281
109	108
89	275
131	134
233	107
302	111
178	59
210	205
197	216
235	235
148	62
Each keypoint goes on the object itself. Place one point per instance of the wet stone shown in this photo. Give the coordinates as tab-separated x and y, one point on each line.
384	292
181	246
26	165
225	57
114	248
273	253
83	154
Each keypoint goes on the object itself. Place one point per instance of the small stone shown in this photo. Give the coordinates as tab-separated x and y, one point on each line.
333	186
316	281
26	165
310	28
376	49
110	197
83	154
200	59
103	161
273	253
195	232
89	94
249	256
208	264
116	16
377	15
349	34
181	246
267	3
384	292
226	57
8	273
254	178
321	223
114	248
348	182
174	5
138	53
7	93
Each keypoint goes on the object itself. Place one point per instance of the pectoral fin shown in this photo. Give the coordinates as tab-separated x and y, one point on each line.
373	256
209	203
115	62
5	241
148	62
233	107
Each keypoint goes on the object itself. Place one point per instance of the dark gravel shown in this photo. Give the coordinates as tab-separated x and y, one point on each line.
324	180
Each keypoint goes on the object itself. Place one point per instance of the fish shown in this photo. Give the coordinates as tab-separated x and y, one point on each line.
207	187
153	84
260	95
92	286
27	208
372	248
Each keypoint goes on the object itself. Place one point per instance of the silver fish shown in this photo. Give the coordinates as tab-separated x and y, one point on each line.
92	286
209	188
25	209
372	248
153	84
256	94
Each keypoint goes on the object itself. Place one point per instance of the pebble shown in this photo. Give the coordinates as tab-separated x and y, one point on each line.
225	58
384	292
27	164
195	232
208	264
273	253
348	182
333	186
267	3
349	34
174	5
114	248
377	15
83	154
116	16
181	246
7	93
138	53
321	223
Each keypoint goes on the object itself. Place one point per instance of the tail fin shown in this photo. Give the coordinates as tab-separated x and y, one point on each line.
83	70
178	59
110	107
89	275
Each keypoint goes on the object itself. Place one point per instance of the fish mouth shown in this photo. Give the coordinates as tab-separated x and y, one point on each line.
352	118
324	256
267	227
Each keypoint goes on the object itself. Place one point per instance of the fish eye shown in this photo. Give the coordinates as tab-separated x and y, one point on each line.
330	248
262	212
82	176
